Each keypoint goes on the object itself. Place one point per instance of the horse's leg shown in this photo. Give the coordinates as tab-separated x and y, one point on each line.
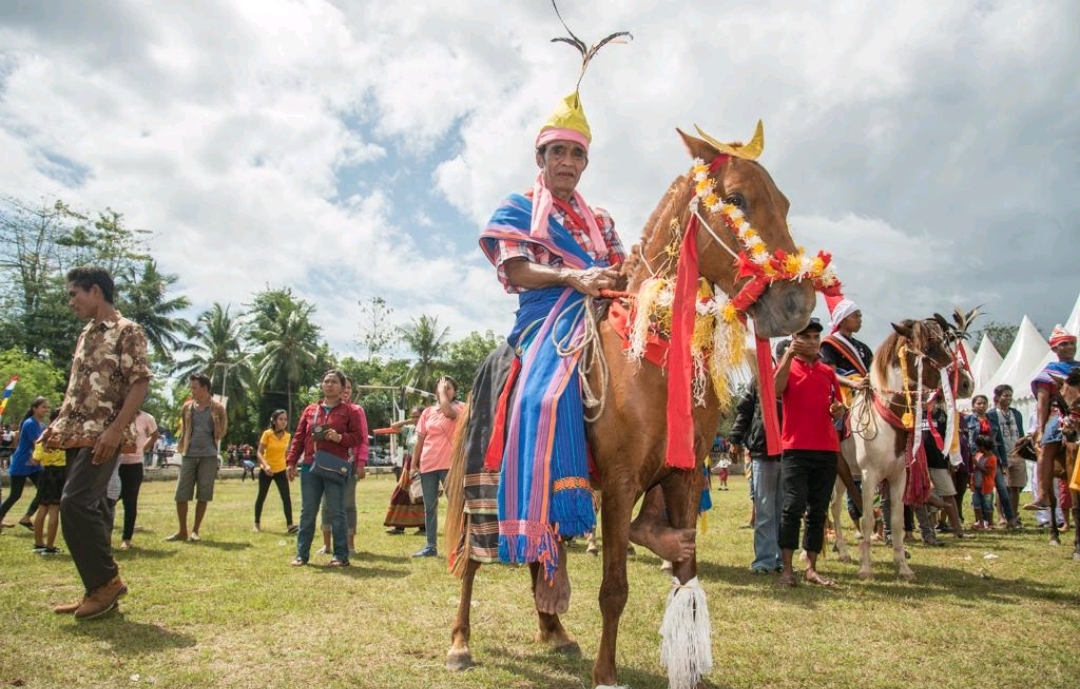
615	531
839	493
1051	497
653	529
551	632
869	485
897	484
459	657
682	495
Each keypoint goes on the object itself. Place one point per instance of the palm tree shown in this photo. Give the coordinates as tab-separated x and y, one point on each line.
216	349
287	341
428	343
145	303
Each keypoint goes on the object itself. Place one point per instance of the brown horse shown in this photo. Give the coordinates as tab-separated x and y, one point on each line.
628	438
908	366
1064	454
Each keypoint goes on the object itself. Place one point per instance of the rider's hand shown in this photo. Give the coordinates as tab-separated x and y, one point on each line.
591	280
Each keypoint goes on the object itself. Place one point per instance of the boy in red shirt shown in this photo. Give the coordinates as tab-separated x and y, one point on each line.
810	394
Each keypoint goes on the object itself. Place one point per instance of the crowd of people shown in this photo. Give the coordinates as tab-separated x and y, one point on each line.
815	380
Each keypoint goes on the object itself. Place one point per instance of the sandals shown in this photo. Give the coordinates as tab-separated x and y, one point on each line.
818	580
293	528
298	562
338	563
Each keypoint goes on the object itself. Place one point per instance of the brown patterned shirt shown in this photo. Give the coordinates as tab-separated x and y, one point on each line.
110	357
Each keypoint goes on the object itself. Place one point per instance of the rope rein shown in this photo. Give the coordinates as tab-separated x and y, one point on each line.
592	357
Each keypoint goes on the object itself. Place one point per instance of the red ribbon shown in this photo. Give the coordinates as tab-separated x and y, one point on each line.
680	422
767	390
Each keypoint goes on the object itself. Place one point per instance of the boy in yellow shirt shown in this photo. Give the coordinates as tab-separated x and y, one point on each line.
50	490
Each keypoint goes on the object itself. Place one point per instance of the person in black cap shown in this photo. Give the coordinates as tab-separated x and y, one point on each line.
810	395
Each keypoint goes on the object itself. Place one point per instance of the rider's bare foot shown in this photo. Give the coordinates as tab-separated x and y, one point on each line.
553	597
675	545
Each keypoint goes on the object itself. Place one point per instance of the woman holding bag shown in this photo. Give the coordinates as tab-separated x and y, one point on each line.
324	434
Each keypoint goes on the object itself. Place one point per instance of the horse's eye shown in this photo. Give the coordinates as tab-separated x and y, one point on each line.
737	200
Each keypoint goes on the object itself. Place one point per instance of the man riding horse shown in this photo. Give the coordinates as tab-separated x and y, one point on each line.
551	249
1047	431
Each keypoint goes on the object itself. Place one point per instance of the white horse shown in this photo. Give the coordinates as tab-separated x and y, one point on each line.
907	367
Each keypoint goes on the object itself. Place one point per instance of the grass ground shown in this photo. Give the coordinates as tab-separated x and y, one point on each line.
230	612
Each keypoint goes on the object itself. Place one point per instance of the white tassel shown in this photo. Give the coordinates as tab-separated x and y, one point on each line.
950	426
686	644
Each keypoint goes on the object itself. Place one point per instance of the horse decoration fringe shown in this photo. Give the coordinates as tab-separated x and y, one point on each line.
686	648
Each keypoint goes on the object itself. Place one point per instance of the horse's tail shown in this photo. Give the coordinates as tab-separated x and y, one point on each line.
456	536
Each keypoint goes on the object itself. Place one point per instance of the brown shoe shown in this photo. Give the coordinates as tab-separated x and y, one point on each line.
102	599
68	608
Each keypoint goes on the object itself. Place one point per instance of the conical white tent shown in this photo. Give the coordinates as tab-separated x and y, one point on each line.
986	362
1027	356
1073	324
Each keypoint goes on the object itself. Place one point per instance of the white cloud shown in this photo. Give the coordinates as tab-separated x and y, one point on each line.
906	135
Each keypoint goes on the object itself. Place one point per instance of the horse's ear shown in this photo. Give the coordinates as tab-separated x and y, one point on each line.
1059	380
904	330
697	148
945	325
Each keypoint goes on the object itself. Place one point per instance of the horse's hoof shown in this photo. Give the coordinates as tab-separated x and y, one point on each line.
458	661
866	575
846	559
1054	540
568	649
907	576
1076	554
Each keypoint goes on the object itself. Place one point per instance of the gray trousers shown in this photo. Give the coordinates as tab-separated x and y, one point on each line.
85	517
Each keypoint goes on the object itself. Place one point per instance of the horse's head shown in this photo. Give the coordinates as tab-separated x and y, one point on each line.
920	345
784	306
1069	389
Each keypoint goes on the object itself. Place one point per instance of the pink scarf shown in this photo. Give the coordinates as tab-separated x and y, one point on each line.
542	204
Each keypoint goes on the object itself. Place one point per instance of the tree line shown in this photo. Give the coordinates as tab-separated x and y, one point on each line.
265	354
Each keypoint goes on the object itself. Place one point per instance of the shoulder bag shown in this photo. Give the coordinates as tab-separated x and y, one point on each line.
325	464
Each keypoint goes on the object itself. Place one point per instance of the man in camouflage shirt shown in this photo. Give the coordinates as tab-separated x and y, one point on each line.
110	374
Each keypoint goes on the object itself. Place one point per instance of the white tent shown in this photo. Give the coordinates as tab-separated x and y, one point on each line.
1027	356
986	363
1073	324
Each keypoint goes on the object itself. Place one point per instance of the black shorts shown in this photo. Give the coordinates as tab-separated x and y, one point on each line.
51	485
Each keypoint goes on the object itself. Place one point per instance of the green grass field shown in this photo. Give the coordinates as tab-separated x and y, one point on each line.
231	612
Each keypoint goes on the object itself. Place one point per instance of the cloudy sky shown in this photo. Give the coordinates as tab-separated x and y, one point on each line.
352	149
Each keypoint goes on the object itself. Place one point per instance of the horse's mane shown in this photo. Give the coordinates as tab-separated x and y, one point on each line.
658	221
887	354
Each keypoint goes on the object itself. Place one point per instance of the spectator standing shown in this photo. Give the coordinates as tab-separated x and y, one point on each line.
810	394
131	473
1008	426
359	457
748	433
273	445
981	423
203	424
50	489
434	431
982	481
403	512
330	425
22	468
110	374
